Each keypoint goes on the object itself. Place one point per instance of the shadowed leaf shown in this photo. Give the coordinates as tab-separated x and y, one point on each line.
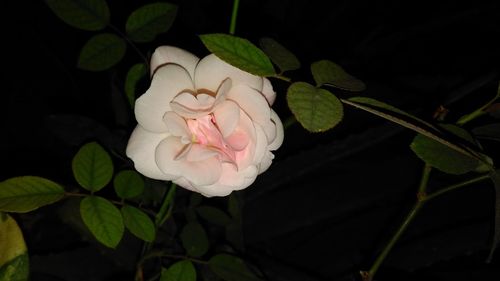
101	52
88	15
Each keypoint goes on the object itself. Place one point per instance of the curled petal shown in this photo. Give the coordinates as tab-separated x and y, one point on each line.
252	102
280	132
268	92
266	162
203	172
141	149
260	145
227	117
244	157
199	152
230	180
211	71
189	106
152	106
169	54
177	126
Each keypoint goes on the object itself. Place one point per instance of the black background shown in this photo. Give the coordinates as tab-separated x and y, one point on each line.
330	201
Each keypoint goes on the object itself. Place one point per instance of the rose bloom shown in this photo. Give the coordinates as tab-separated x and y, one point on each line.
204	124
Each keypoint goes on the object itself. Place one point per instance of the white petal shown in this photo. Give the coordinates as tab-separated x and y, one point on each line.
170	54
211	71
266	162
141	149
280	132
268	92
152	105
189	106
177	126
230	180
197	173
227	117
244	158
252	102
199	152
260	145
185	184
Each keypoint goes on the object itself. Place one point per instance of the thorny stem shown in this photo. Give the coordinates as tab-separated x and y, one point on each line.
234	17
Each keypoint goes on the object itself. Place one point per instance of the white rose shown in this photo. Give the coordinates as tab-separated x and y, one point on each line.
204	124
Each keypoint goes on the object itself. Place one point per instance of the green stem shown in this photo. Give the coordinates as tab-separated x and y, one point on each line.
368	276
119	203
422	198
282	77
455	186
422	188
478	112
234	17
162	254
162	215
134	47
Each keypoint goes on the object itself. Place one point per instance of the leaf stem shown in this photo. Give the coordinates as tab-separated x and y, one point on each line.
234	17
281	77
162	254
119	203
478	112
455	186
134	47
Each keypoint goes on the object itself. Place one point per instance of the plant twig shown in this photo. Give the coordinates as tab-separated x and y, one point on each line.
234	17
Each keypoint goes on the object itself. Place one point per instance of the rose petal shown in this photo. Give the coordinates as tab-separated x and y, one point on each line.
177	126
199	152
211	71
268	92
141	149
252	102
169	54
244	157
204	172
185	183
230	180
280	132
227	117
152	106
189	106
266	162
260	145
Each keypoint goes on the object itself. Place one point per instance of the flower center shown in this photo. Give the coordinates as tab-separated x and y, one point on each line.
204	131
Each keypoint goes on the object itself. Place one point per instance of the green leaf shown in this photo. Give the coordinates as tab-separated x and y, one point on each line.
316	109
489	132
145	23
92	167
213	215
239	52
24	194
88	15
138	223
101	52
443	157
103	219
134	75
128	184
326	72
278	54
495	177
16	270
14	261
194	239
179	271
231	268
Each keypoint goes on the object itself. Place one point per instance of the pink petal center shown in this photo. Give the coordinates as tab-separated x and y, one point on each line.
206	133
